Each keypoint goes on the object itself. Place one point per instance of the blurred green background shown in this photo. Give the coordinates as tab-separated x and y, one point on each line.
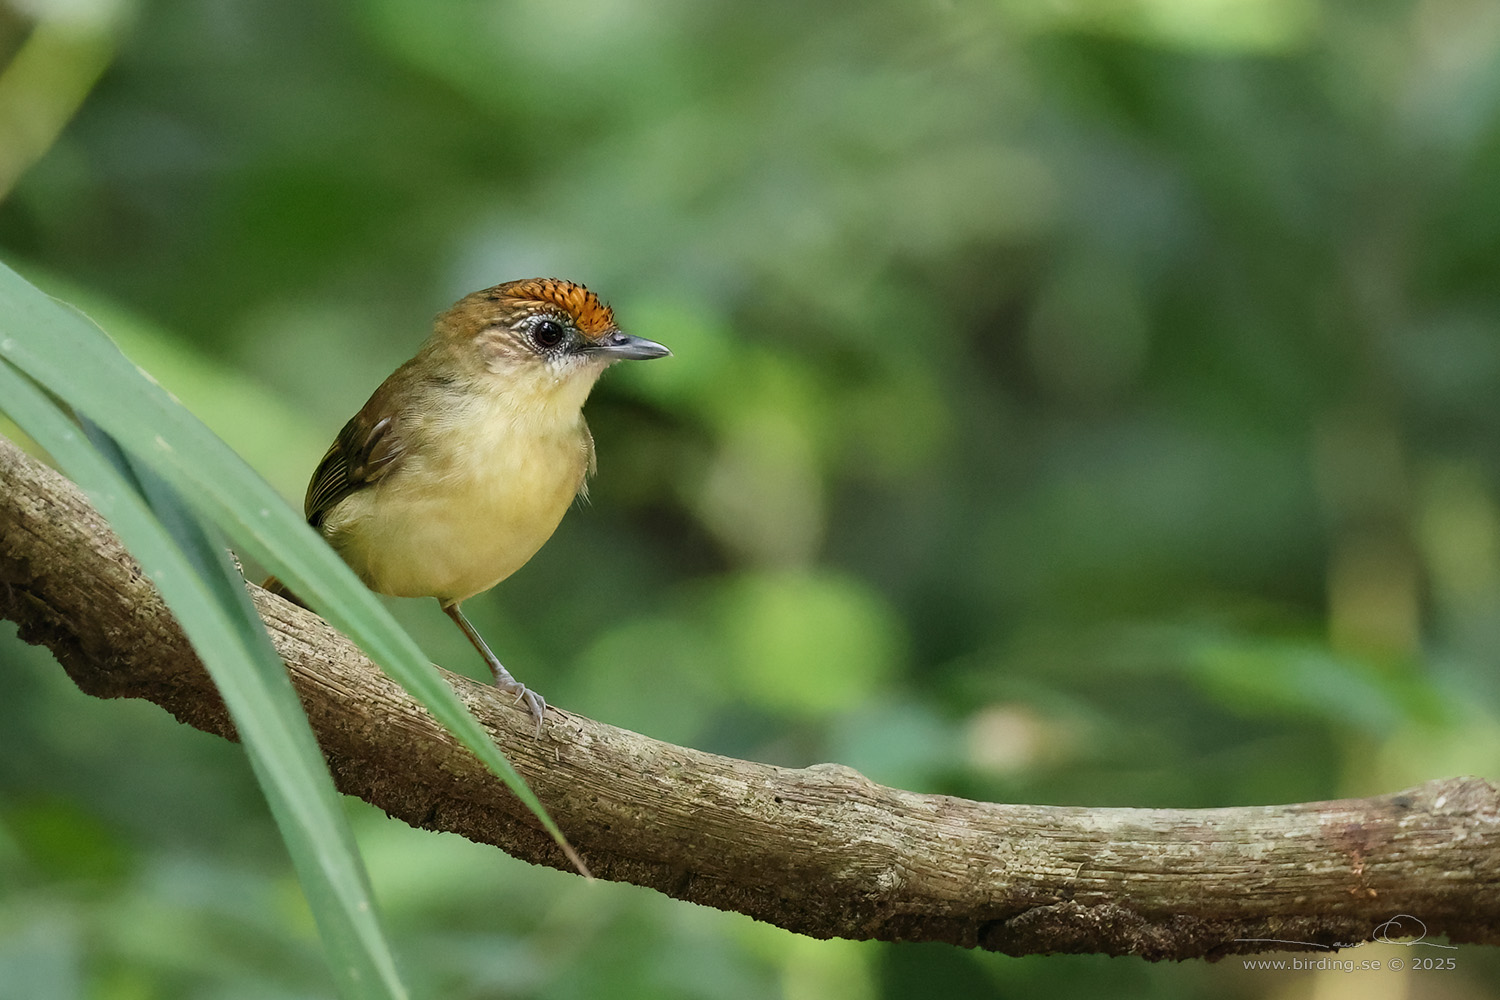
1090	401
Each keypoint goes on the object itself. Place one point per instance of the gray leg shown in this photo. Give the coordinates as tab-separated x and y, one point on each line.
503	679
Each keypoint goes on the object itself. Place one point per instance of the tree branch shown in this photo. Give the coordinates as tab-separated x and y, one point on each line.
819	850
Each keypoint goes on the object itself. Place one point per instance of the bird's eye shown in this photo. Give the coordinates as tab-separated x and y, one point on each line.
547	334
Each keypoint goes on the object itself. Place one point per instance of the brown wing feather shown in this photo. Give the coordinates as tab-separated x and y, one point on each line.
369	447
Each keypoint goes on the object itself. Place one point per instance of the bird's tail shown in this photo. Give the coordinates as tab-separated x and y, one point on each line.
278	588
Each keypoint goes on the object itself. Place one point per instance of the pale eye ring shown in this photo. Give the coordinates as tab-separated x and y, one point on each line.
547	334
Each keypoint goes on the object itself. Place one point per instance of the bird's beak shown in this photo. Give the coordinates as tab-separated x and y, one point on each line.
617	346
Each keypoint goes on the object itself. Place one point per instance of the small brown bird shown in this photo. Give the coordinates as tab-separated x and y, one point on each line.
463	462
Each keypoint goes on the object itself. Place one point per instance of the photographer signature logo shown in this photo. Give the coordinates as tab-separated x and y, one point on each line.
1402	925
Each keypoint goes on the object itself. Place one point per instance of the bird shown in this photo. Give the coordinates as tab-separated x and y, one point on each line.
464	461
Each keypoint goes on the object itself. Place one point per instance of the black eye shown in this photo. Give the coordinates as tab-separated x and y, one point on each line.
547	334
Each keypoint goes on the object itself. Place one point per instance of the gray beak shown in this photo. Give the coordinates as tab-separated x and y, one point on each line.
617	346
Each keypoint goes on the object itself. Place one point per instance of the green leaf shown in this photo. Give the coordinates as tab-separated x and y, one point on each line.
69	355
209	601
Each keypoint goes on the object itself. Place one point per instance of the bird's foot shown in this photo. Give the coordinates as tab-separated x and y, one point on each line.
535	703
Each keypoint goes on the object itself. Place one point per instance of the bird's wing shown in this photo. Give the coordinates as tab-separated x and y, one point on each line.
590	464
369	447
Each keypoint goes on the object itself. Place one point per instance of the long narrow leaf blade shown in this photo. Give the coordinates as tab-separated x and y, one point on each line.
66	353
209	602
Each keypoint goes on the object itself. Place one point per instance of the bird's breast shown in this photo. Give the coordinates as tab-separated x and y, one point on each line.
478	494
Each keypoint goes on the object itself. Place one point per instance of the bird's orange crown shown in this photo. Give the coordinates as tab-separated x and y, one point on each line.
593	318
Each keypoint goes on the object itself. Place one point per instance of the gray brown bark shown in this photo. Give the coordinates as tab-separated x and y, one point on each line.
819	850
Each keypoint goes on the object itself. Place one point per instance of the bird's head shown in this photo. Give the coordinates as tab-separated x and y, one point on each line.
541	330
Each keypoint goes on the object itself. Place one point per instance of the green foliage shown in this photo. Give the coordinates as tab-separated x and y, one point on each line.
41	338
207	597
1081	402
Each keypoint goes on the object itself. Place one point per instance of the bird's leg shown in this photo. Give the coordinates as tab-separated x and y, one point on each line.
503	679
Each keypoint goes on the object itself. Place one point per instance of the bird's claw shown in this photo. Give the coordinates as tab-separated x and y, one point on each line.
535	703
